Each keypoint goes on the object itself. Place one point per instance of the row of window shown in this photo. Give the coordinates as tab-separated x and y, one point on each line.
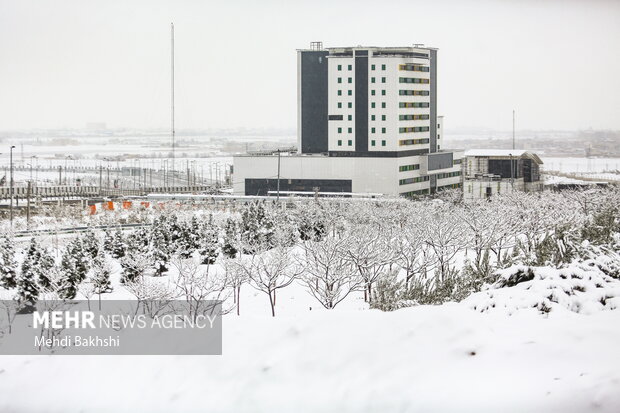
349	80
349	130
415	180
411	194
407	142
349	67
372	105
448	175
349	105
406	168
372	67
413	117
414	92
372	143
372	117
414	129
372	130
451	186
349	92
412	80
373	80
413	68
413	104
456	162
372	92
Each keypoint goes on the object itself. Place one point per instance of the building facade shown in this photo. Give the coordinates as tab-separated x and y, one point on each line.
367	122
489	172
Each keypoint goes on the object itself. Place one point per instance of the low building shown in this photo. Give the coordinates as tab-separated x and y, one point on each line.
489	172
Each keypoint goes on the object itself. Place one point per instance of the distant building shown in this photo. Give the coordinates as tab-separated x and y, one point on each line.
367	123
489	172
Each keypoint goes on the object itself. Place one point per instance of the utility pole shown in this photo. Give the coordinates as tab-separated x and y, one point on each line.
11	184
513	129
28	205
278	195
172	88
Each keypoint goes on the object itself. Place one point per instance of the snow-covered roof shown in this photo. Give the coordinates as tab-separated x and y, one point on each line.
504	153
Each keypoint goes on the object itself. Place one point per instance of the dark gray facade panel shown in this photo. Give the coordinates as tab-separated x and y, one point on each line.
433	107
379	154
314	101
440	161
261	186
361	101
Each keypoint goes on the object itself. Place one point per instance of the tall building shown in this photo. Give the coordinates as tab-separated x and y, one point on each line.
367	123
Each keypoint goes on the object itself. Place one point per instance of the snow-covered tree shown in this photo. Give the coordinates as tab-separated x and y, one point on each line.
8	266
231	238
329	275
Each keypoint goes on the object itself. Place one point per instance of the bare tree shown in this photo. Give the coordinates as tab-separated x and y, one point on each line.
329	274
369	253
199	285
153	295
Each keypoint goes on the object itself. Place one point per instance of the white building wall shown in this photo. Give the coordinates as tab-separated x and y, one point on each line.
345	99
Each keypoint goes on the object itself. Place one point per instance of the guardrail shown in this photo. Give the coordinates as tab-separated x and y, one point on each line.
66	191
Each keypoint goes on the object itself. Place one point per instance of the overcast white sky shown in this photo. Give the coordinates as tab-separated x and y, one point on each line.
64	63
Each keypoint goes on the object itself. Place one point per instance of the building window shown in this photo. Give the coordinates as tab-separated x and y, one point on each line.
339	80
406	168
372	67
383	105
413	117
382	143
350	92
383	92
408	92
412	80
350	67
407	142
339	130
372	130
350	80
339	105
413	105
414	68
372	143
372	80
339	92
339	67
414	129
413	180
350	105
382	130
339	142
350	130
438	125
350	117
372	92
350	143
372	105
382	67
438	137
382	117
382	80
372	117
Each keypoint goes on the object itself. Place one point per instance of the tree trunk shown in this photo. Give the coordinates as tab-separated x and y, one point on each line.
238	299
273	308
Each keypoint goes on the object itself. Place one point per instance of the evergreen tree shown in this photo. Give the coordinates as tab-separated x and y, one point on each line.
100	275
27	289
8	273
90	245
74	266
160	244
256	228
230	240
119	246
208	247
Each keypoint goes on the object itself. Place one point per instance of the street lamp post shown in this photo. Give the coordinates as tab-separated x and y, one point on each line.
11	185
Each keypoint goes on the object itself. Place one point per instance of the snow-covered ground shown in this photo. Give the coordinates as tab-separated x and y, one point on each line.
581	164
351	359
